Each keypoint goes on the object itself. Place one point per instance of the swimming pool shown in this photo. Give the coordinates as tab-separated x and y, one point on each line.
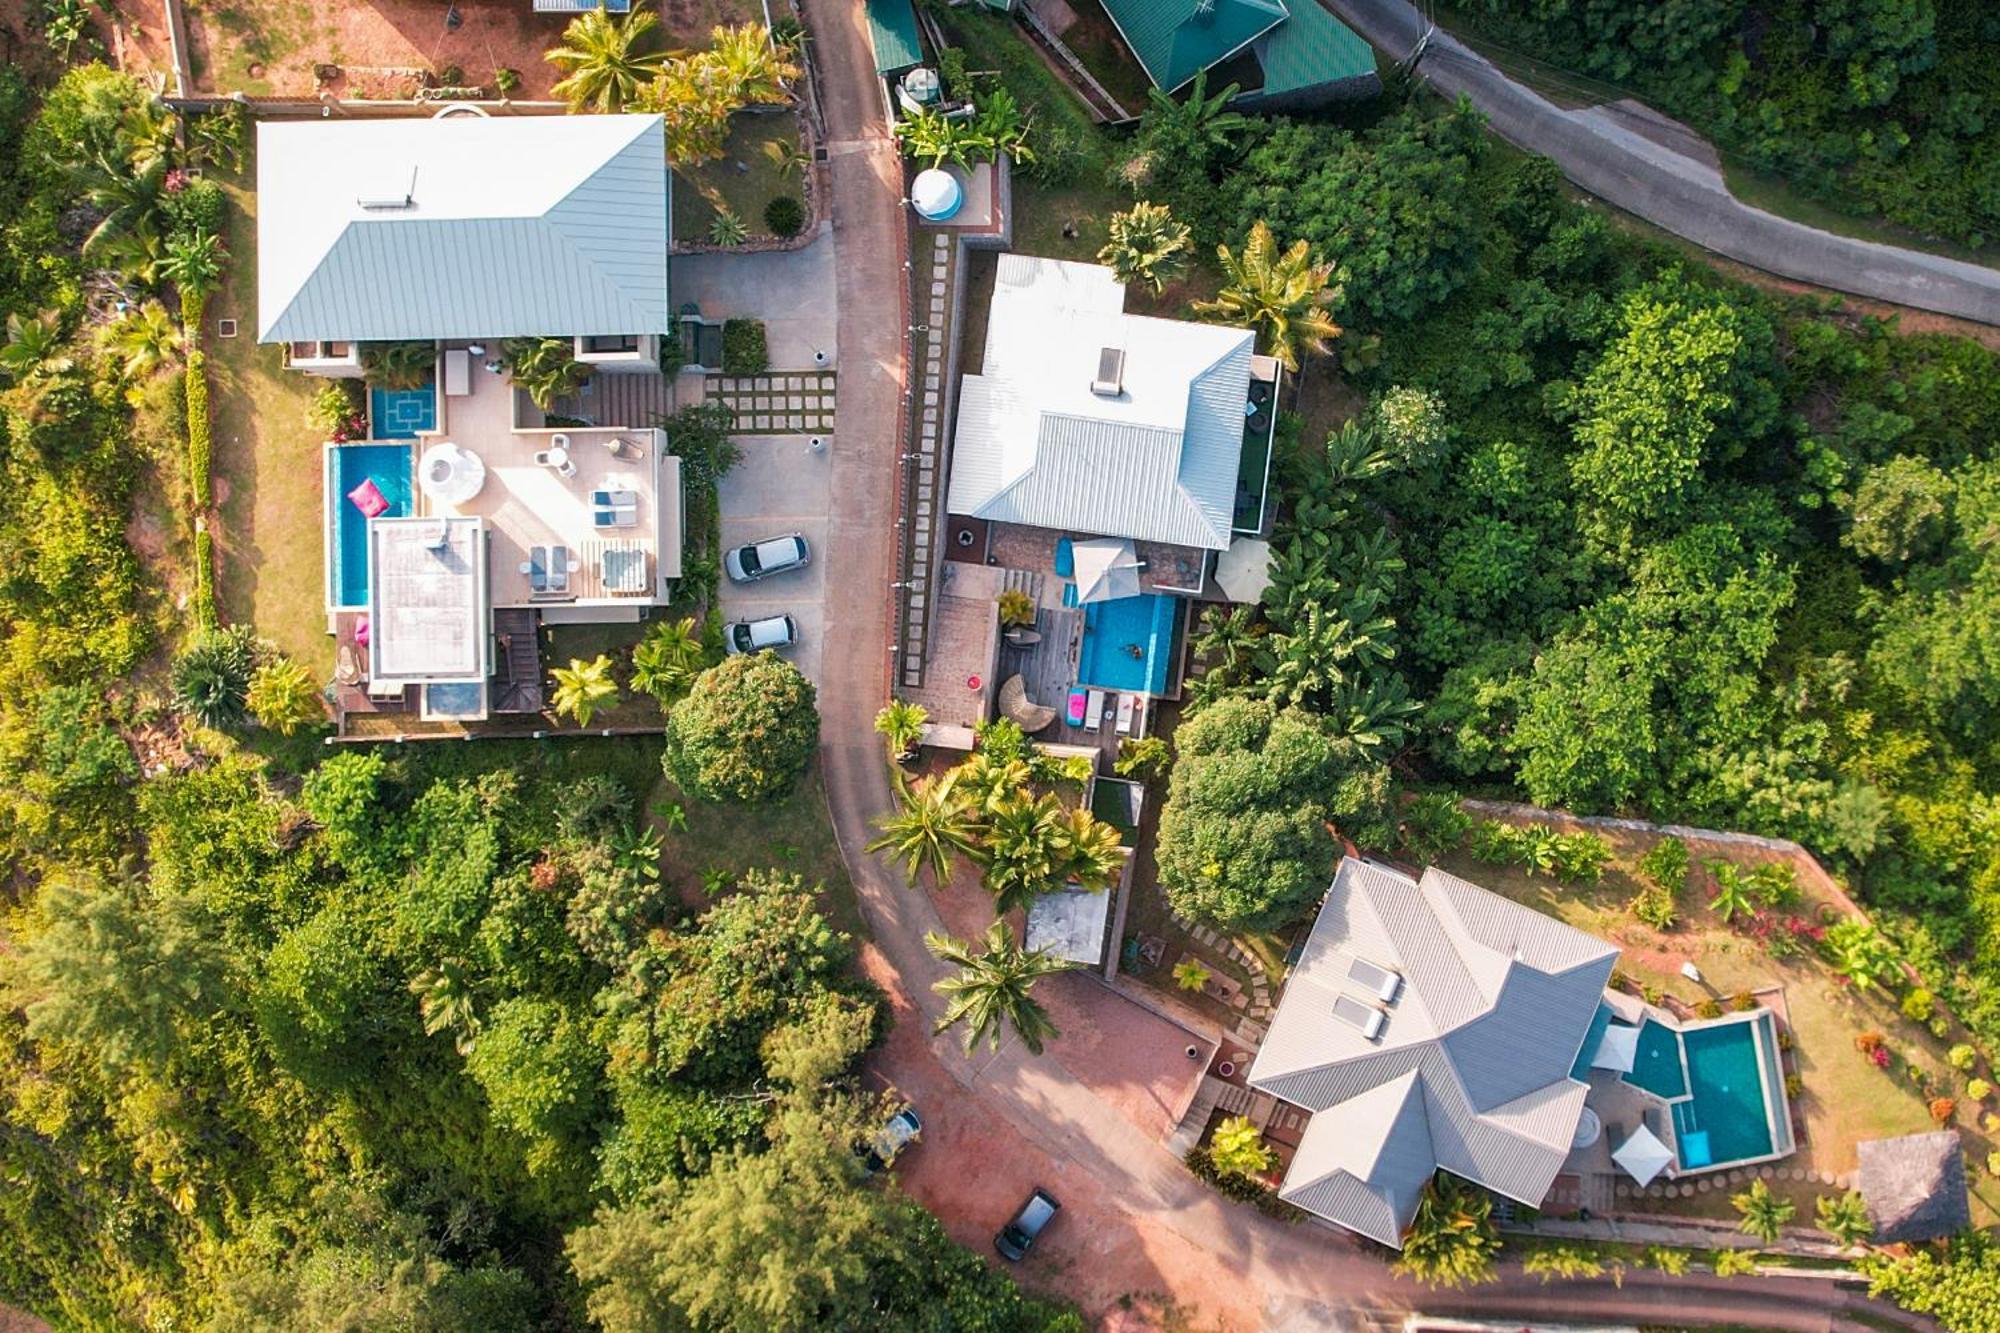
1656	1066
1128	643
398	414
1723	1085
390	467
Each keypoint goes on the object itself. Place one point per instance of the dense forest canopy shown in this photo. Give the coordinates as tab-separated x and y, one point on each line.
1889	107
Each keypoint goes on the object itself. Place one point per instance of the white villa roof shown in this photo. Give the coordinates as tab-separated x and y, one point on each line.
429	607
1034	445
1470	1071
515	227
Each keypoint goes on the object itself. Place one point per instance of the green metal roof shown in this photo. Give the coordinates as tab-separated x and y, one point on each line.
1177	39
1313	48
892	27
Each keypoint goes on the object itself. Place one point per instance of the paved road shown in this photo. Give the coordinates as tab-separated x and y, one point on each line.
1140	1222
1677	187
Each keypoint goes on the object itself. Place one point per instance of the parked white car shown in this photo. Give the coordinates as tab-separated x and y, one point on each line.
754	636
773	555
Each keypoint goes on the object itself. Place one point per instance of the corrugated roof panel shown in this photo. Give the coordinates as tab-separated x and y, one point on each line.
892	29
1311	48
1177	39
529	226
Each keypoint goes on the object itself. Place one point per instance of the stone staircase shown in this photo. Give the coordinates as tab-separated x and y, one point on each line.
924	449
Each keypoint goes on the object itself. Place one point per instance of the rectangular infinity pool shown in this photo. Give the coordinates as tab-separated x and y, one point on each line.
390	467
1726	1093
1128	643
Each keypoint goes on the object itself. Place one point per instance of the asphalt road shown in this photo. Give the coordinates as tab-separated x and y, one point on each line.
1666	176
1227	1260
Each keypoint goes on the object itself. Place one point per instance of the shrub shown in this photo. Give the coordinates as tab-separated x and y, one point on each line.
1962	1058
398	365
204	578
1058	157
1733	1263
505	80
1990	1122
745	731
1412	423
1655	907
743	348
1918	1005
201	444
1144	758
1940	1026
727	229
785	216
1015	608
1794	1085
1238	1146
1190	975
1942	1109
334	413
1881	1057
1665	865
1674	1263
1651	993
1742	1002
283	696
1868	1042
1433	823
1709	1009
1978	1090
211	680
201	206
1993	1164
1785	1039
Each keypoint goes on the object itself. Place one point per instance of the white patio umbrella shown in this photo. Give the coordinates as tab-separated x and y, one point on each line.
1643	1156
1106	567
1244	570
449	474
1618	1050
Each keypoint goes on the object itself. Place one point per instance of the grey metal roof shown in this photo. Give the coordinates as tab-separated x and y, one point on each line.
462	227
1915	1186
1156	461
1496	1002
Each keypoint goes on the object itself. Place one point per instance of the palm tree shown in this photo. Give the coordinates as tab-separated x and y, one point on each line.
445	999
1452	1240
584	687
546	368
34	346
143	341
1146	245
1198	118
902	722
408	364
1025	850
993	987
1190	975
758	69
932	823
990	781
933	140
695	98
1227	638
999	127
786	156
726	228
602	71
1094	853
1844	1217
668	659
193	264
1763	1212
1283	296
128	193
1732	892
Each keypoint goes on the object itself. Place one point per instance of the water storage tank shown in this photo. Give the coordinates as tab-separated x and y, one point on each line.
936	195
450	475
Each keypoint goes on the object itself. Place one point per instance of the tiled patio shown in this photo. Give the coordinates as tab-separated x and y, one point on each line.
795	403
1168	568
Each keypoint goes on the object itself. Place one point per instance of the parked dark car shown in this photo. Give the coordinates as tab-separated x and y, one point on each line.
1030	1220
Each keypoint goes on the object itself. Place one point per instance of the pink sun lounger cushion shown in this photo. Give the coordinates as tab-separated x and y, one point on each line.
367	497
1076	702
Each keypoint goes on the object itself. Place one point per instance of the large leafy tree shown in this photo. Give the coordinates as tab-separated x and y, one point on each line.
1244	838
745	732
993	988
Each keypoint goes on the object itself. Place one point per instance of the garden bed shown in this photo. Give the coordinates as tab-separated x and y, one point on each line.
743	178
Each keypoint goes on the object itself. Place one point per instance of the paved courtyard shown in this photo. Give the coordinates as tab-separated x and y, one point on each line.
792	291
781	486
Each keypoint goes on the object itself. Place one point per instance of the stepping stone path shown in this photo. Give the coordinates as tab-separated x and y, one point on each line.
925	446
790	403
1257	1020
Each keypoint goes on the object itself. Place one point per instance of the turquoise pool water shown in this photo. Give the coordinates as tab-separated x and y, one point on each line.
1727	1098
390	467
1128	643
1657	1065
398	414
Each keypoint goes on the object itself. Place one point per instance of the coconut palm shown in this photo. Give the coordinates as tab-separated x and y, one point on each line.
545	368
1843	1217
143	341
126	192
584	687
993	987
446	1001
1026	848
695	97
1190	975
989	780
1146	245
758	69
931	824
1093	853
1227	638
1282	296
668	659
602	69
398	365
902	722
786	156
1452	1240
1763	1212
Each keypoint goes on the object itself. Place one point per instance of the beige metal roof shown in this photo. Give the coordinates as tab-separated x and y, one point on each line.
1475	1051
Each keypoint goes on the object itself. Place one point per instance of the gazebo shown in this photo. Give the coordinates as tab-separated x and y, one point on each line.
1643	1156
1915	1186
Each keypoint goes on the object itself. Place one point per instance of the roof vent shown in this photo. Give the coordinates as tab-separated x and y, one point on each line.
1364	1018
1378	981
1110	381
384	203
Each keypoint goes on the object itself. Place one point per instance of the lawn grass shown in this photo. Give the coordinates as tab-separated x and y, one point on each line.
791	835
270	560
1095	41
1845	1098
742	178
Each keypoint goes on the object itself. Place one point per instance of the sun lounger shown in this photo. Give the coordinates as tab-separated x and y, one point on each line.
559	569
1127	704
1093	711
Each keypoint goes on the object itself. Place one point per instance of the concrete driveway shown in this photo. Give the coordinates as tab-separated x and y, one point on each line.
792	291
781	486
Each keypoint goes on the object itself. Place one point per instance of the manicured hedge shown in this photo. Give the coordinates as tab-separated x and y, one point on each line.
743	348
200	440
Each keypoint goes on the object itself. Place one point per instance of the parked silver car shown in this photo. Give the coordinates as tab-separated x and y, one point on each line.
773	555
754	636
